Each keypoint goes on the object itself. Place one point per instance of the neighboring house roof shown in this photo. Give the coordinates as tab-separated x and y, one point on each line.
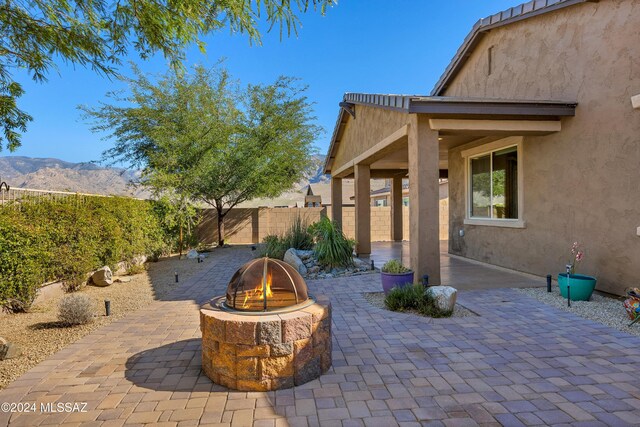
348	190
483	26
405	187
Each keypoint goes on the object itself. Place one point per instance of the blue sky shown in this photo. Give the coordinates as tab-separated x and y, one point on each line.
377	46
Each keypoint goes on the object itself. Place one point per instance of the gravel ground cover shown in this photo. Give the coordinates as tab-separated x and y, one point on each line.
39	334
376	299
606	310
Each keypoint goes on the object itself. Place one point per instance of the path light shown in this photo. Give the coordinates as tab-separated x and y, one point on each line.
568	285
373	267
425	280
107	307
548	283
176	277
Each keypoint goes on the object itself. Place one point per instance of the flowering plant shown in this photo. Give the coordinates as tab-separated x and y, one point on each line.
577	255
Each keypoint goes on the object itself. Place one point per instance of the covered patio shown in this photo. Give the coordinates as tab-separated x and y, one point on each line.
398	136
461	273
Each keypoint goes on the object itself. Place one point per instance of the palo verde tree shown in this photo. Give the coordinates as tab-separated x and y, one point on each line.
204	136
99	33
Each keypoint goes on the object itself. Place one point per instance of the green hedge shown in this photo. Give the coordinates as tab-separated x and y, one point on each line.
44	240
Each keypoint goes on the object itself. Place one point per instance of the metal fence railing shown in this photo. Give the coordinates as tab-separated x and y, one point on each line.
21	195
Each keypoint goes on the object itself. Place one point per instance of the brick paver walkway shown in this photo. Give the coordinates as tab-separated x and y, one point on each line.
517	363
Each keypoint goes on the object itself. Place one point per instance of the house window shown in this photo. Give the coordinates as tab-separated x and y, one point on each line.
494	184
380	202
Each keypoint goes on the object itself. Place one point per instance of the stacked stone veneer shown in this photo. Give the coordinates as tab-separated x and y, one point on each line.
270	352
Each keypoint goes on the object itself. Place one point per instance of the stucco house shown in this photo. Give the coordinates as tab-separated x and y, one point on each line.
534	126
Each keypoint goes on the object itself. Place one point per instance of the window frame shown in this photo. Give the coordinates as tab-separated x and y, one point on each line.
488	149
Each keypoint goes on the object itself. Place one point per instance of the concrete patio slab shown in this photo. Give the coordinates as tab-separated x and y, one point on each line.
459	272
517	363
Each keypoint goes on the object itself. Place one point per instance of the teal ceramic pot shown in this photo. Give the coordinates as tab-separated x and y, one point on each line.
391	280
581	286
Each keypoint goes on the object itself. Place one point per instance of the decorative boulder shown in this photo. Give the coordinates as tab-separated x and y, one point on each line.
292	258
121	268
192	254
102	277
444	297
8	350
139	260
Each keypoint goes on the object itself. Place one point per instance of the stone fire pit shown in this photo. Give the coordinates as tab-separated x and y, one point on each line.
277	347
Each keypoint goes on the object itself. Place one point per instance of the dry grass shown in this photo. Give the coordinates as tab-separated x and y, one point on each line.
40	334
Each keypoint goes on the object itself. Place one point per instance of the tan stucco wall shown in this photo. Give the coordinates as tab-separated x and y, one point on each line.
370	126
251	225
582	183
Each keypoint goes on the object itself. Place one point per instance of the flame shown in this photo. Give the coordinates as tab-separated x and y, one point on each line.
259	292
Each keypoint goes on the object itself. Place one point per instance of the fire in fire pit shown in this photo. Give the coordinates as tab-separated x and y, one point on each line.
265	284
267	332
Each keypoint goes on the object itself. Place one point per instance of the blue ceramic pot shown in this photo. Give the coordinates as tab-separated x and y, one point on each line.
581	286
392	280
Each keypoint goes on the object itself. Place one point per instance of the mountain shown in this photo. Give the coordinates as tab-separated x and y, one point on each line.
59	175
315	175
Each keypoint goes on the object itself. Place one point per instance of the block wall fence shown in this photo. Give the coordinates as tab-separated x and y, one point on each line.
251	225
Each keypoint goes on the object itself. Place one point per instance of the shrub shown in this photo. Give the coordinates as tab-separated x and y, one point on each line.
332	248
273	247
413	297
405	298
298	235
134	269
76	309
63	239
394	266
20	260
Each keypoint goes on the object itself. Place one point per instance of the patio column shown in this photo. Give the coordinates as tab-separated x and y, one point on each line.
396	209
424	199
336	200
363	209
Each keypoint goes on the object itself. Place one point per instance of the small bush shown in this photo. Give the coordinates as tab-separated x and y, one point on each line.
74	283
405	298
332	248
75	309
413	298
394	266
298	235
134	269
273	247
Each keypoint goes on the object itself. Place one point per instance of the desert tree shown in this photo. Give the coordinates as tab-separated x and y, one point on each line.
204	136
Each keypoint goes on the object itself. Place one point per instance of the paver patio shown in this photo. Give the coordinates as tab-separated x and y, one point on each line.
518	363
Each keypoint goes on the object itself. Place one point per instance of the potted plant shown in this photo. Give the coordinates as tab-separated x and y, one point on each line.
394	274
582	286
